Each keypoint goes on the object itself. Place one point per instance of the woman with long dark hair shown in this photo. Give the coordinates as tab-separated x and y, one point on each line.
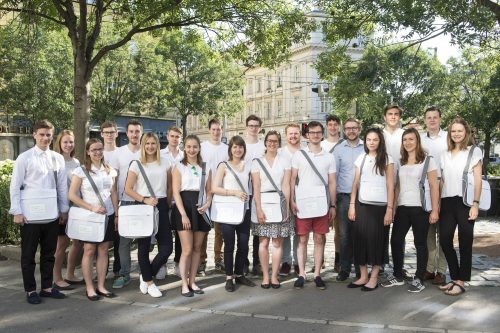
370	209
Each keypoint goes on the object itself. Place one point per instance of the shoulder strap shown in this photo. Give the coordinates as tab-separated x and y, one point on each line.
54	164
335	146
268	175
202	183
424	170
318	174
148	184
466	170
94	186
361	168
237	179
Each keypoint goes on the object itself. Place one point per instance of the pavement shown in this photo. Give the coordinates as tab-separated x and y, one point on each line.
336	309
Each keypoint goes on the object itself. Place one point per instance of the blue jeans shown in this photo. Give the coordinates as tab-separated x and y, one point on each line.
288	251
346	231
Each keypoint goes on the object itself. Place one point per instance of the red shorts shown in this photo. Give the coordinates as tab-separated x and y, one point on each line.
318	225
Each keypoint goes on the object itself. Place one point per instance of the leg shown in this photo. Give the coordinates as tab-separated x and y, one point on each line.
243	234
345	233
48	244
124	250
302	254
89	251
101	265
195	258
60	255
277	253
255	252
143	258
447	226
75	253
164	239
178	248
30	237
363	279
465	240
373	281
287	248
185	262
116	254
228	233
432	248
264	258
400	228
319	250
336	239
218	242
420	227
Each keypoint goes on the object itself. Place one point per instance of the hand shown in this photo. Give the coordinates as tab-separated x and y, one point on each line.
261	217
20	219
203	208
151	201
186	225
388	218
98	209
433	217
242	195
63	218
331	213
295	210
473	213
351	214
116	222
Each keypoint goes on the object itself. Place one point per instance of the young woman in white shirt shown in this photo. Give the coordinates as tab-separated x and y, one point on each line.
226	184
105	179
370	219
454	213
186	214
409	211
278	168
65	145
157	170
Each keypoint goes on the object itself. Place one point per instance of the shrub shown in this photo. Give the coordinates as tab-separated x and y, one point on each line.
493	169
9	232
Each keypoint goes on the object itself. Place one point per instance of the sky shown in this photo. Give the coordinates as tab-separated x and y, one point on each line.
445	50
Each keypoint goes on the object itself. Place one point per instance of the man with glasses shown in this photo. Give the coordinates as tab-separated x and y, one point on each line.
255	149
345	154
309	182
109	133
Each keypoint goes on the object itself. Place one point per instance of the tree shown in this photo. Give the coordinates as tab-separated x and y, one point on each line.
476	86
204	82
407	76
270	28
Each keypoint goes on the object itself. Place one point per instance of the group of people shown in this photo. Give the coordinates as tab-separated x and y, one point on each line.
360	187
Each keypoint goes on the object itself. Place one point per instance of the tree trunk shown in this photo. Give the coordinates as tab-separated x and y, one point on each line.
487	147
184	125
81	98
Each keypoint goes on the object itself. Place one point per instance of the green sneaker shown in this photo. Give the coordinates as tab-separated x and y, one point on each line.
121	282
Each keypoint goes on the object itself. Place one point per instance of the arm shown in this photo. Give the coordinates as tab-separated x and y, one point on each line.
389	178
293	180
354	192
396	196
332	187
219	190
62	192
208	191
114	200
433	184
15	191
261	217
129	190
169	186
74	188
285	188
474	210
176	190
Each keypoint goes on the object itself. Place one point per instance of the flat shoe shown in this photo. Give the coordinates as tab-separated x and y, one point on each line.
62	288
354	285
108	294
450	292
447	286
93	297
197	291
74	282
188	294
265	285
276	285
365	288
54	293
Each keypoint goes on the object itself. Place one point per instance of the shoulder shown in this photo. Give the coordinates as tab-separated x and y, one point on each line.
79	172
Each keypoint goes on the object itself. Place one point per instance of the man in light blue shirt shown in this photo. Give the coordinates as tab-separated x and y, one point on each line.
345	154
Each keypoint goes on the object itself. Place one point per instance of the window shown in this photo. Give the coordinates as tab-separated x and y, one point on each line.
279	82
258	110
297	103
249	86
268	82
296	73
259	85
268	110
279	109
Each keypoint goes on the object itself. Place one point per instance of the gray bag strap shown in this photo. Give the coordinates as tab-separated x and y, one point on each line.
319	175
423	177
466	171
94	186
282	196
237	179
335	146
54	163
146	180
202	183
361	172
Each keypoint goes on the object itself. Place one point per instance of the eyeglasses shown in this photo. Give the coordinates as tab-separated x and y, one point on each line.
315	133
194	171
253	126
351	128
274	142
96	151
109	132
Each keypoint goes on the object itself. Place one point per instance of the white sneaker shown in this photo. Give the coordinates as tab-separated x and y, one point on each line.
154	291
143	286
162	272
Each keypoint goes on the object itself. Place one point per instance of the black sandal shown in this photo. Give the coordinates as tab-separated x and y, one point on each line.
460	291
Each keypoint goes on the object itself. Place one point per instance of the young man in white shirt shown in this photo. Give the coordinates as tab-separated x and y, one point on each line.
292	133
34	170
255	149
435	144
120	162
109	133
213	152
308	182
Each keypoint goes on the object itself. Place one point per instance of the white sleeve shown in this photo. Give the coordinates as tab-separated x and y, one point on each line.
16	182
477	156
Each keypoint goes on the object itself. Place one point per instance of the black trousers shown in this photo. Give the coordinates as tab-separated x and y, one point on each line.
454	213
165	245
229	233
418	220
32	235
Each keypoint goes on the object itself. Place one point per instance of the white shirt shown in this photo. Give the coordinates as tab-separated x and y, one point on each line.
190	176
393	143
108	155
409	179
277	171
453	168
165	152
33	169
104	184
369	171
70	166
213	155
157	176
323	161
254	150
120	161
435	145
286	153
328	145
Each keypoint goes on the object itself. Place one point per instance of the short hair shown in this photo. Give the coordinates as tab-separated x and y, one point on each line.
253	117
315	123
393	106
332	117
174	129
57	144
291	125
468	134
236	141
44	123
213	121
133	122
143	147
108	124
432	108
352	120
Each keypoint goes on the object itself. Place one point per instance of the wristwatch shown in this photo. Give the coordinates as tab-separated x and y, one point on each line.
333	206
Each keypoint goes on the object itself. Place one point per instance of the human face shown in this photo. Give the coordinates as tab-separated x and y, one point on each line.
351	131
293	135
191	148
237	151
95	152
253	128
272	143
67	144
173	138
215	132
109	135
372	141
410	142
150	147
432	121
333	128
457	133
43	138
134	133
315	134
392	117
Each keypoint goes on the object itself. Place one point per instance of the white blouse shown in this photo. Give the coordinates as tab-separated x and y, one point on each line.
104	183
70	166
277	171
230	183
190	176
409	179
157	176
453	168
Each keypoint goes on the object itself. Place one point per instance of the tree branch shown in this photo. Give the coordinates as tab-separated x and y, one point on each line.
96	30
32	12
492	6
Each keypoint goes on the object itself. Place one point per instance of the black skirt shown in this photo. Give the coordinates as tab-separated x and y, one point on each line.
368	238
189	201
